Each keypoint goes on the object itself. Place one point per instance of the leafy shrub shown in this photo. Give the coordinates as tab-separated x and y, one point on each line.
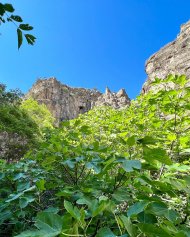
18	132
108	173
38	112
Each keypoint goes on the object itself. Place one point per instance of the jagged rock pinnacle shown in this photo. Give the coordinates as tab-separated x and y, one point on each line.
107	92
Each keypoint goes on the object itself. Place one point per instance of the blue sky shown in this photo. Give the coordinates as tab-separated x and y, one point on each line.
89	43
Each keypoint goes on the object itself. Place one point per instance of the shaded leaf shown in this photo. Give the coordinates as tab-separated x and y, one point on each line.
74	211
146	218
8	7
16	18
129	226
137	208
130	165
25	27
20	39
30	39
105	232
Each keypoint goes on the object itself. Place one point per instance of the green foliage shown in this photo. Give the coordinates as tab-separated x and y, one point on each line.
10	97
5	11
39	113
12	118
18	132
18	195
107	173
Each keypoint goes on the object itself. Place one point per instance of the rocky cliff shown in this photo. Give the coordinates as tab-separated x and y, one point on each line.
174	58
116	100
67	103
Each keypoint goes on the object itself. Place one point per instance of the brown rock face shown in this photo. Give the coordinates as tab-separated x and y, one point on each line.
67	103
174	58
63	101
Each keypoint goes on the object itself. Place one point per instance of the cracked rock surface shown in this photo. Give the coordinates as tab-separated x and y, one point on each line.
174	58
66	102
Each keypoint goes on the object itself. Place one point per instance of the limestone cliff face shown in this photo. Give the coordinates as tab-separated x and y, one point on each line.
116	100
174	58
67	103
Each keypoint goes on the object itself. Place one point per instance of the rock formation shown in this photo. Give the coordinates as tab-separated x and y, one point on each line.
174	58
12	146
116	100
67	103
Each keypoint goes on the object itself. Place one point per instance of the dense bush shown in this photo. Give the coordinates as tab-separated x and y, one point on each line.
18	132
38	112
22	123
107	173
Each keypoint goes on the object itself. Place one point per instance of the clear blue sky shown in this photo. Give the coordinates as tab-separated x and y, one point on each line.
89	43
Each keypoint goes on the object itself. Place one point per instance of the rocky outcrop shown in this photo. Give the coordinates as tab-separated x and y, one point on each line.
174	58
116	100
12	146
63	101
67	103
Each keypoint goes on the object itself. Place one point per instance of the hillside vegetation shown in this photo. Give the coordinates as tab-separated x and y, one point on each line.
107	173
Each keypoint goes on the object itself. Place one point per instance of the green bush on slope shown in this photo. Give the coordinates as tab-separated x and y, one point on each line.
38	112
21	123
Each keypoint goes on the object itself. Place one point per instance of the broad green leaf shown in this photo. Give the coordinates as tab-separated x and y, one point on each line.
65	193
158	154
41	184
151	230
172	215
35	233
137	208
19	176
131	141
157	208
144	217
103	205
129	226
49	222
16	18
161	209
24	201
32	188
70	162
8	7
25	27
84	201
130	165
105	232
13	197
95	166
54	210
147	140
23	186
74	211
121	195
